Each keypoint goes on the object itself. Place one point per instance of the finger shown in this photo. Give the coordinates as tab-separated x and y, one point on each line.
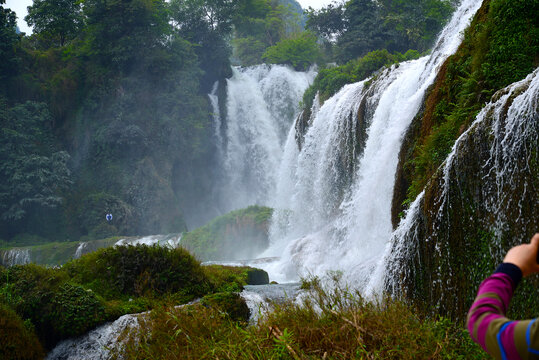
535	240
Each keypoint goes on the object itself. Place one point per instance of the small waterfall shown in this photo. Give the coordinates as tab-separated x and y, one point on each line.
170	240
214	101
98	344
336	216
501	141
81	250
15	257
261	298
262	103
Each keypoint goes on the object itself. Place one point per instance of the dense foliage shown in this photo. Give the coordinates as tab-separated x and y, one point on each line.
139	270
101	286
356	27
300	52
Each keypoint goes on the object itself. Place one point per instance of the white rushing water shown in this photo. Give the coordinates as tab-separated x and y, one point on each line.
323	224
262	103
15	257
512	120
97	344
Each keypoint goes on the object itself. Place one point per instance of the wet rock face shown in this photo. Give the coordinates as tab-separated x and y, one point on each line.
480	203
257	277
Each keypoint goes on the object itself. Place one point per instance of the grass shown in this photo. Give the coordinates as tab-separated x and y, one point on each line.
333	323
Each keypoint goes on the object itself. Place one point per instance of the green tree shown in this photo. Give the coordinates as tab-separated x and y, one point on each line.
260	24
59	19
300	51
207	23
412	24
328	22
33	172
121	34
8	40
363	34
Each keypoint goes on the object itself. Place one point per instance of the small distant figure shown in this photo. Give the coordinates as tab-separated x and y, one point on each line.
109	217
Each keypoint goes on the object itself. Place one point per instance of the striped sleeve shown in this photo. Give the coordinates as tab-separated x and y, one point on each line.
490	328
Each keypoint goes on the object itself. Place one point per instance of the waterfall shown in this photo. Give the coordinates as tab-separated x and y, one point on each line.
15	257
328	218
501	141
98	344
262	103
214	101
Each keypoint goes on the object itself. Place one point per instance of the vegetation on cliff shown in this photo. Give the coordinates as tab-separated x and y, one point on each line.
238	235
470	216
500	47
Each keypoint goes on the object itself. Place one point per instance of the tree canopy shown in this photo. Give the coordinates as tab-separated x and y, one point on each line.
357	27
60	20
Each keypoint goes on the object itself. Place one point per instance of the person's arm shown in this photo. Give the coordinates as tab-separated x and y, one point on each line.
487	324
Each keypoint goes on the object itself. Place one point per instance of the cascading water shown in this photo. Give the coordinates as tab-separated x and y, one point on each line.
261	105
214	101
98	344
15	257
500	143
318	225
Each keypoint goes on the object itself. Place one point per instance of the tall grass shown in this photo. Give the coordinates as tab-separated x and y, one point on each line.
330	323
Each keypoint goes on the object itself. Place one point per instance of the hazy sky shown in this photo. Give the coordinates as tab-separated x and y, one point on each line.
19	6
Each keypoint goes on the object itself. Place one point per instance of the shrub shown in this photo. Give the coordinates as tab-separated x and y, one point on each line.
31	289
125	271
17	338
300	51
233	278
75	310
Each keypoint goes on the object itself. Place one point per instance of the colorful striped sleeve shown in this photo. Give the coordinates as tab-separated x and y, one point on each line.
488	326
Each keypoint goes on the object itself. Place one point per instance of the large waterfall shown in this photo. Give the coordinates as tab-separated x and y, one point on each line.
325	222
261	106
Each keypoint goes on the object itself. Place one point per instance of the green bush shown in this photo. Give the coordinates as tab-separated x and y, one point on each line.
300	51
29	289
140	270
234	278
17	338
330	80
75	310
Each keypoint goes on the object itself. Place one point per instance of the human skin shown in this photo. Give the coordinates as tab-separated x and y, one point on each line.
525	256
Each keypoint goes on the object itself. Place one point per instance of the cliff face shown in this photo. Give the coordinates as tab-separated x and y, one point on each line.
483	199
500	47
